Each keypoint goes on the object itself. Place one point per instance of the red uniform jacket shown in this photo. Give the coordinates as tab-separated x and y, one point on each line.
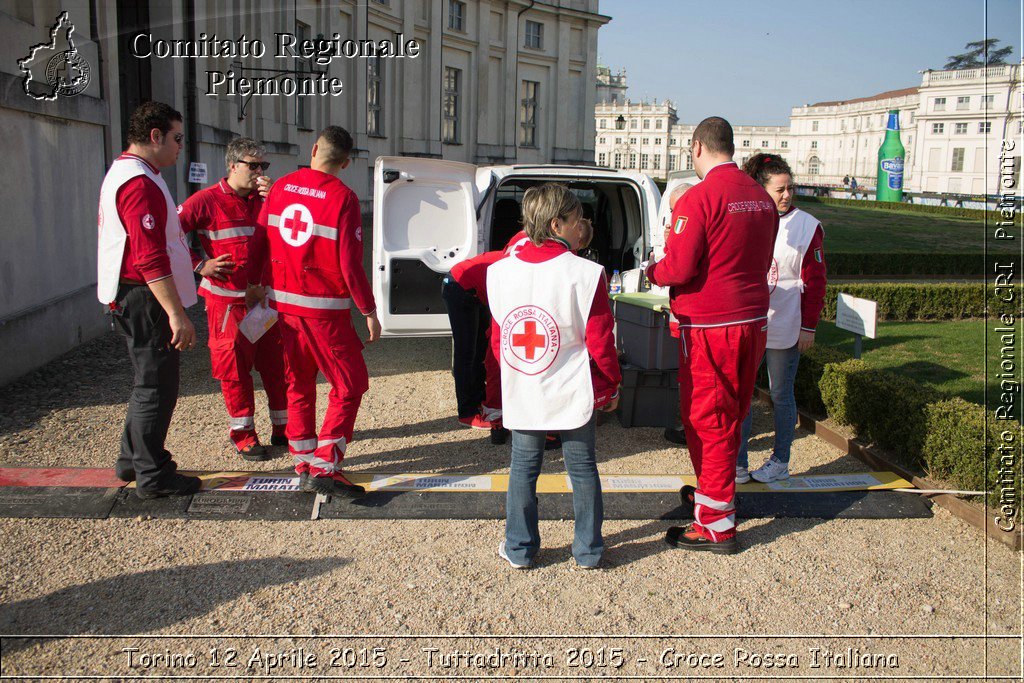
311	233
471	274
600	338
225	222
719	250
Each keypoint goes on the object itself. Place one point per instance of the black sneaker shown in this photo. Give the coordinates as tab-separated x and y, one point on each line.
255	452
304	484
280	440
171	485
499	435
128	474
336	485
685	538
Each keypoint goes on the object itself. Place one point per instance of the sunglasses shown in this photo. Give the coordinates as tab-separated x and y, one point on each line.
256	165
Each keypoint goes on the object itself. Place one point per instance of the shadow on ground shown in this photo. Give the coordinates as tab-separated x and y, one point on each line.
151	601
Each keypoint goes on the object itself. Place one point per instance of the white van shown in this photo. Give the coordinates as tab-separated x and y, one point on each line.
429	214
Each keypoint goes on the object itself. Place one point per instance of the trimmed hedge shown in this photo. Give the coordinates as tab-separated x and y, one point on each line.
900	263
921	428
905	207
913	301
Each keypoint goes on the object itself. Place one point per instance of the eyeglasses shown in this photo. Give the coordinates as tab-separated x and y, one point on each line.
179	138
256	165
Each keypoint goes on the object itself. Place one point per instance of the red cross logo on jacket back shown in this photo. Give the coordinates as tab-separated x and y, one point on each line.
529	339
296	224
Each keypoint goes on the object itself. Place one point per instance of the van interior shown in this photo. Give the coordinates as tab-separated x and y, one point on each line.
613	207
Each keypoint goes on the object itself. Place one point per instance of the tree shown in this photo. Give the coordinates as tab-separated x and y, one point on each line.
976	55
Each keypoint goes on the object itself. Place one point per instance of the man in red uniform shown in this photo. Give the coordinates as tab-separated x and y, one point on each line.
311	234
716	259
225	216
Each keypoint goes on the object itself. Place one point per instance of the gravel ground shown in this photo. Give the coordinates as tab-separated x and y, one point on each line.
218	580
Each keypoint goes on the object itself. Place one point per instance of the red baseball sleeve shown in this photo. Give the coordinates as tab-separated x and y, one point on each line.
143	211
812	272
350	253
686	246
600	340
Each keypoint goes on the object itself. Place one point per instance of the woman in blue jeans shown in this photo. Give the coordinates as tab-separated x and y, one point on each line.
797	284
552	335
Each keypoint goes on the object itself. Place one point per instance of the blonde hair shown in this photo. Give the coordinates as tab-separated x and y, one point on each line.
544	203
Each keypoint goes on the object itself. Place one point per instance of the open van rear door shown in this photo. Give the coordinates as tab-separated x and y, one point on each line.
424	222
665	209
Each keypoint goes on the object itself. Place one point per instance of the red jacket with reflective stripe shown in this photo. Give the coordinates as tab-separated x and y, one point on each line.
225	222
471	274
311	235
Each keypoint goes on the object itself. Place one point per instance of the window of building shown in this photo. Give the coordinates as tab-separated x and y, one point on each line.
646	141
987	101
814	144
601	123
657	124
618	161
985	127
963	102
909	117
687	142
938	128
618	141
764	143
601	159
671	141
814	166
657	161
452	91
602	140
456	15
634	124
657	141
784	144
528	113
534	35
632	141
814	126
647	124
958	160
671	162
302	113
374	95
632	161
746	143
643	161
940	104
959	129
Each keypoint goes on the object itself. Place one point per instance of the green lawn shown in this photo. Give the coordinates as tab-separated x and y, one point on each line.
857	230
946	355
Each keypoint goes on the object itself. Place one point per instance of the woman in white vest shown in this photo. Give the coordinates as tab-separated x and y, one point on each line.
552	335
797	284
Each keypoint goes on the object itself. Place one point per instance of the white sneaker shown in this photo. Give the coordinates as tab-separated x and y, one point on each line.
742	475
771	470
503	555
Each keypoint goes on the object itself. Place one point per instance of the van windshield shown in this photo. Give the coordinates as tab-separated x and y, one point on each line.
613	207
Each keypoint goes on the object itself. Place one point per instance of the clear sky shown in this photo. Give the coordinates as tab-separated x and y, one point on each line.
751	62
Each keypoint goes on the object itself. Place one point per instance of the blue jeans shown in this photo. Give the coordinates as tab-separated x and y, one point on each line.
782	365
522	535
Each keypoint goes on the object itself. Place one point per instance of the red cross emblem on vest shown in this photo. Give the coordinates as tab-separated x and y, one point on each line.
530	340
296	224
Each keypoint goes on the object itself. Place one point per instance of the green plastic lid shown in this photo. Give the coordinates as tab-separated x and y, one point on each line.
653	302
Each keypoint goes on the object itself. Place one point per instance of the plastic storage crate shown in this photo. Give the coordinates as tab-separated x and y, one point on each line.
642	332
648	398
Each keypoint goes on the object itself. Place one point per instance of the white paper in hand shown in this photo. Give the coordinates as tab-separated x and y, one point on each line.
257	321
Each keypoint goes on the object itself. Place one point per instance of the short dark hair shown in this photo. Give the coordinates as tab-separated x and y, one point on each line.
146	117
715	133
761	167
335	144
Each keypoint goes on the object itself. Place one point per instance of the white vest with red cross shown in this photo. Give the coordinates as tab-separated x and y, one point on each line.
542	310
796	230
112	234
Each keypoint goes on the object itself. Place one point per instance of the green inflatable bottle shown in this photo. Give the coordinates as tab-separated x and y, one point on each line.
890	162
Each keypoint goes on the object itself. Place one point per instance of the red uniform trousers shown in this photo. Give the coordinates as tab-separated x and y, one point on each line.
717	369
232	357
331	346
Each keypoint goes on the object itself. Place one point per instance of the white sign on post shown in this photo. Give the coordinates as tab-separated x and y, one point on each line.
197	173
856	315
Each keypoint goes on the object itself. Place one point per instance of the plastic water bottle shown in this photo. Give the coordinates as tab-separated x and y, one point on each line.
615	284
